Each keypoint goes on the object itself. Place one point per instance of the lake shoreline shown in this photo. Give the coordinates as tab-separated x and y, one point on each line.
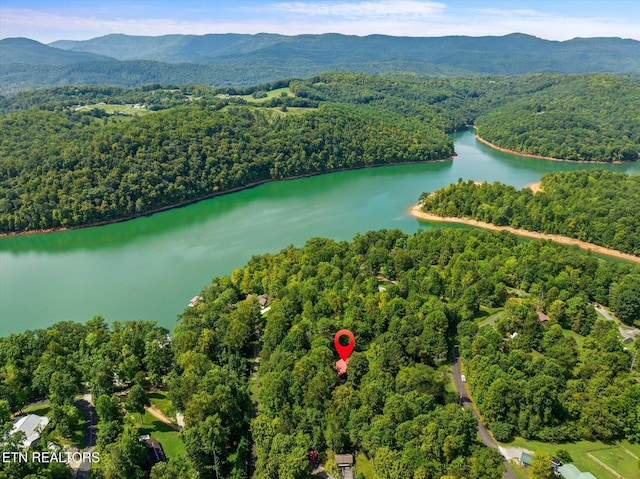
530	155
208	197
416	212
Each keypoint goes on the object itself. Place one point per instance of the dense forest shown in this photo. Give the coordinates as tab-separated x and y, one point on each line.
571	121
67	168
62	165
408	299
591	205
574	117
58	364
404	297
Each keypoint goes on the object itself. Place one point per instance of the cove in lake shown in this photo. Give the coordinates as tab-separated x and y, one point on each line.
150	267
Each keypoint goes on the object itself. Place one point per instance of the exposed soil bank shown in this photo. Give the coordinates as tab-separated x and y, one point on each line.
417	212
529	155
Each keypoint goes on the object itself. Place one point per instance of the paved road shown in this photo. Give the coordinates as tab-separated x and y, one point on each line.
485	437
90	435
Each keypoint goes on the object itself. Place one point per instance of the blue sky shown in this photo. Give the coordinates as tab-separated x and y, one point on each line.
49	20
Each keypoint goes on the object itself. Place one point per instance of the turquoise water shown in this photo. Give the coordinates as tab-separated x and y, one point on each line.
149	268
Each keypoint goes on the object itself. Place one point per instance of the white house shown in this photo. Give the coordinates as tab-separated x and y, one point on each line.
31	425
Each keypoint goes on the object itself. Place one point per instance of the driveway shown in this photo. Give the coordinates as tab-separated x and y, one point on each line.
467	403
90	435
626	331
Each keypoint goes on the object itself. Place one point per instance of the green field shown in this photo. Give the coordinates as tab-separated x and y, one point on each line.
161	400
270	94
618	460
38	409
612	455
520	471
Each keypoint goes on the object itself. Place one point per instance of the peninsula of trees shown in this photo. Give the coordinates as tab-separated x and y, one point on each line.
596	206
74	156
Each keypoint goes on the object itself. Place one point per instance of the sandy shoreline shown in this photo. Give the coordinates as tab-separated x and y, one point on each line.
529	155
416	211
535	187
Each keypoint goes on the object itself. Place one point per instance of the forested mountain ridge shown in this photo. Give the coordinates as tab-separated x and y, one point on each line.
242	60
70	168
596	206
480	54
24	50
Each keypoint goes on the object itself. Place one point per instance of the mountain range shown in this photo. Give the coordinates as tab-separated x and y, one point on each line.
240	59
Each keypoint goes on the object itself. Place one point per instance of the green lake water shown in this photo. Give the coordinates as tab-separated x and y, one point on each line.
149	268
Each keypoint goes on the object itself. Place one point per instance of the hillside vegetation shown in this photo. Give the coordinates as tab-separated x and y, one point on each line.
68	168
574	117
575	120
404	297
243	60
65	161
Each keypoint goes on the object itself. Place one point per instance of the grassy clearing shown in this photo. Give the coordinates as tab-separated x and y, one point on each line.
489	319
277	113
486	313
572	334
38	409
169	438
632	448
618	460
580	453
161	400
270	94
520	471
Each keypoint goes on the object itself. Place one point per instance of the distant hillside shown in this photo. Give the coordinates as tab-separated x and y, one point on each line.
24	50
510	54
242	60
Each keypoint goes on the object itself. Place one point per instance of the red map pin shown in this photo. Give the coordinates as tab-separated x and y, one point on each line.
344	351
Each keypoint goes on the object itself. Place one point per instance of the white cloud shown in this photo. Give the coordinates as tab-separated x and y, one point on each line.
367	9
517	12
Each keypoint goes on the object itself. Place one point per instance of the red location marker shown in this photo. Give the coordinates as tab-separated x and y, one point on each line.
344	351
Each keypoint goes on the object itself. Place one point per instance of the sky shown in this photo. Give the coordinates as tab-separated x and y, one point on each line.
50	20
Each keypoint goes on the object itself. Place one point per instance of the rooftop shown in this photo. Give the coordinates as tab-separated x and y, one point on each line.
31	425
344	460
569	471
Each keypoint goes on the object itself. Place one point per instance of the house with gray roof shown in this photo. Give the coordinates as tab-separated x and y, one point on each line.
31	425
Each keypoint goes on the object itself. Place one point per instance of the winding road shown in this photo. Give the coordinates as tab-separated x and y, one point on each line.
466	401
